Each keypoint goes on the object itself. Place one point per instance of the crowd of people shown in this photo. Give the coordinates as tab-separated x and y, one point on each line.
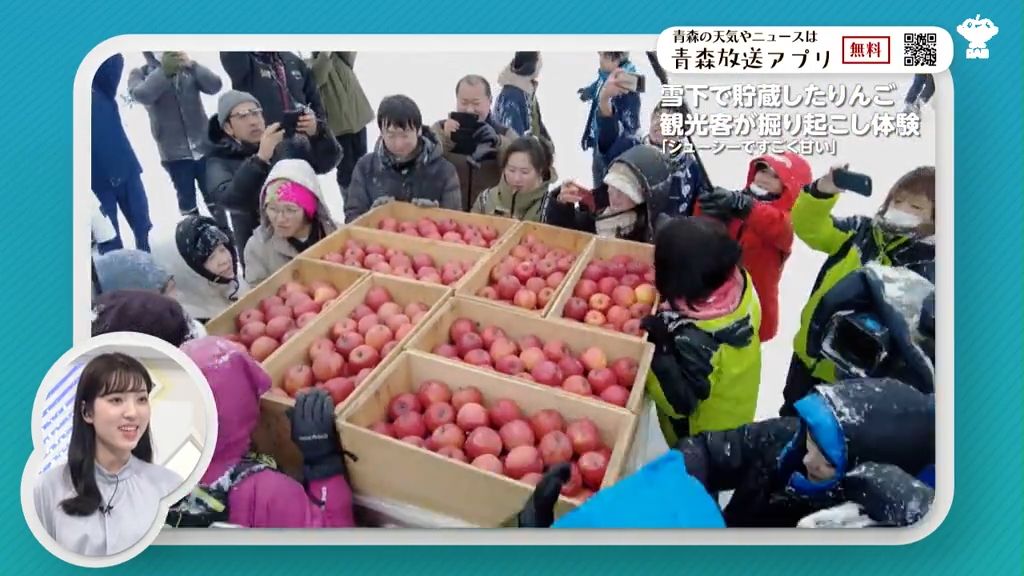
857	424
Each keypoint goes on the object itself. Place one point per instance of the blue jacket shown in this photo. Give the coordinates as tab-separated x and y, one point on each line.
512	109
113	160
626	108
613	140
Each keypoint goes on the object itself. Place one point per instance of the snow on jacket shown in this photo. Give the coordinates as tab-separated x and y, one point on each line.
113	160
265	253
200	297
177	117
268	498
429	177
256	74
128	269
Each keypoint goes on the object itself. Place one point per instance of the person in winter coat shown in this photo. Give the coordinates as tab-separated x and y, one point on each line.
245	148
628	205
280	81
625	107
348	109
900	234
169	85
524	191
128	269
406	165
293	218
707	363
688	177
145	312
116	172
245	489
758	218
204	263
516	105
860	441
477	166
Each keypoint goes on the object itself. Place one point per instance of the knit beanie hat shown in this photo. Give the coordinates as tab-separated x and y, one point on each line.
229	100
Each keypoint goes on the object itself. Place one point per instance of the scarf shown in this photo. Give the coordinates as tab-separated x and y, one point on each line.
720	302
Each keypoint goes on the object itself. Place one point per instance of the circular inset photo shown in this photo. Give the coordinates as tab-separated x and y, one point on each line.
123	427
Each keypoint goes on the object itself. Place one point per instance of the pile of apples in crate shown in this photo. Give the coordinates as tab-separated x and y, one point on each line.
355	346
614	294
377	258
499	438
551	363
529	275
263	329
443	229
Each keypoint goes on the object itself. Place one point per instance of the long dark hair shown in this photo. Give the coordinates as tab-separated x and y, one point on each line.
106	374
538	149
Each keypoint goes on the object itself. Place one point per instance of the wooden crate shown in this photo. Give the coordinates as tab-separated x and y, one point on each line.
404	211
389	468
441	252
574	242
274	434
517	324
601	249
304	271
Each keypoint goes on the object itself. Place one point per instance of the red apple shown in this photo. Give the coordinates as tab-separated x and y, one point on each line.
296	298
517	433
522	460
624	296
577	385
593	466
616	270
554	280
263	347
383	428
618	316
572	487
531	357
529	342
630	281
545	296
359	312
508	286
645	294
450	276
600	302
367	322
292	287
389	224
490	334
547	372
594	358
503	411
584	436
524	271
472	416
479	358
379	335
446	435
489	462
327	366
297	378
594	271
555	447
415	441
570	367
625	370
615	394
453	453
555	350
339	389
438	414
446	350
269	302
565	263
461	326
632	327
531	478
320	346
397	321
388	348
607	285
374	248
510	365
251	331
387	310
488	292
521	252
348	342
468	341
361	376
433	391
403	404
488	232
576	308
403	331
595	318
483	440
525	299
503	347
600	379
453	237
376	297
466	396
364	357
546	268
410	424
303	321
251	315
276	327
585	289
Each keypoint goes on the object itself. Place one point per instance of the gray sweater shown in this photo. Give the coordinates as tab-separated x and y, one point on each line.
139	488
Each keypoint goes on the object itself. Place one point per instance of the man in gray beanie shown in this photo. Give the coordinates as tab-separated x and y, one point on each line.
244	149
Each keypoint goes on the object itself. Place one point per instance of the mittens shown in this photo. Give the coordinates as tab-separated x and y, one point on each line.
313	432
424	203
382	201
539	511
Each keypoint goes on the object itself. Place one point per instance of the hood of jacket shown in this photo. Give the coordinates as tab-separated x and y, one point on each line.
237	382
108	76
793	171
300	172
856	421
527	84
129	269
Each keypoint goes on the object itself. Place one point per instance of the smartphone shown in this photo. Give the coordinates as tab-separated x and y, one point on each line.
852	181
463	137
290	121
634	82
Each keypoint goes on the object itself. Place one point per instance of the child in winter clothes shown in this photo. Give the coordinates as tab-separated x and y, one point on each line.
407	164
204	263
294	217
707	363
247	487
527	174
860	441
127	269
145	312
758	218
625	107
900	234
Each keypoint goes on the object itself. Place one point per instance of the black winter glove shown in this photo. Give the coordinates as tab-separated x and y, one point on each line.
539	511
483	153
485	134
888	494
314	433
726	204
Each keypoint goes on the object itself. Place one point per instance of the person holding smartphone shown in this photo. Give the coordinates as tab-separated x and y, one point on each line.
106	496
902	233
625	107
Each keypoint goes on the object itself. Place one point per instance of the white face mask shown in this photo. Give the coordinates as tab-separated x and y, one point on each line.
615	226
900	220
758	191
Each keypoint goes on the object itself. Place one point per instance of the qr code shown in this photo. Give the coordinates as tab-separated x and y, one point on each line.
919	49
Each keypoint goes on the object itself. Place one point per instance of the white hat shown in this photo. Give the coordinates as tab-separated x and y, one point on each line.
622	177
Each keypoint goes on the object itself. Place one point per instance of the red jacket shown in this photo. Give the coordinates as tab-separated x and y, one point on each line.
766	235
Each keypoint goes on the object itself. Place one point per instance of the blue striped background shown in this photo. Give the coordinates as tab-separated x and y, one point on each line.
45	41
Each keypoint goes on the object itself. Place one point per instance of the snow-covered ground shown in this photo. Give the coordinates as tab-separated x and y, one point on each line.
429	78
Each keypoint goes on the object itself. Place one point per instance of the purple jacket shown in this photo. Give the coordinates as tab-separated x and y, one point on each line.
266	499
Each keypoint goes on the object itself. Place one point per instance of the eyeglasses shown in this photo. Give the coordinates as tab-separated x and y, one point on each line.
290	212
257	112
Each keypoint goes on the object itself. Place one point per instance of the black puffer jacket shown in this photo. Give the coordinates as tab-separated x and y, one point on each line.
255	73
877	433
